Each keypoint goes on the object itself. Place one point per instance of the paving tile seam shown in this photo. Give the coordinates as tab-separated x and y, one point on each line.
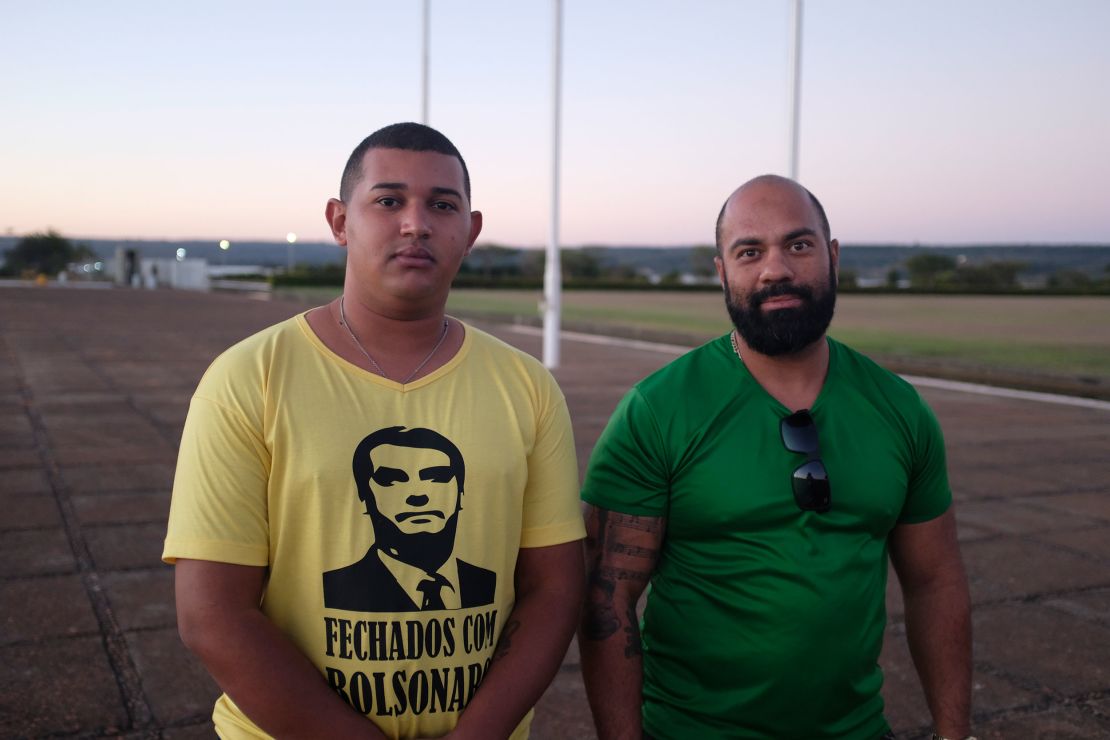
1067	550
923	732
119	656
145	628
193	720
108	526
21	466
161	521
974	494
896	623
1038	597
163	431
30	527
1096	519
100	732
50	640
39	574
1030	537
1079	702
1092	619
1051	493
1085	704
1092	557
1045	696
159	568
1025	711
991	533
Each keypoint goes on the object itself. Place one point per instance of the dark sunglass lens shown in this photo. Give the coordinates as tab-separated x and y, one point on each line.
799	433
811	487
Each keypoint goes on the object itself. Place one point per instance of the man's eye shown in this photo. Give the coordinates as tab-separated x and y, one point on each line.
388	202
748	254
386	477
443	205
799	246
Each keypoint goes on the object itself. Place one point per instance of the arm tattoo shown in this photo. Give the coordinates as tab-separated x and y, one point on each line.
622	548
634	647
631	521
600	620
505	642
634	551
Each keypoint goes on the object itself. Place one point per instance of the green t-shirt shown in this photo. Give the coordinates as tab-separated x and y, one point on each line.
763	620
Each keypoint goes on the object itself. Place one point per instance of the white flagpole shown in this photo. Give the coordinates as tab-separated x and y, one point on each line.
425	24
552	275
795	84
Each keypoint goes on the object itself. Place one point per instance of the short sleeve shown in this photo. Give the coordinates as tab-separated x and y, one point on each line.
551	513
929	493
628	470
218	510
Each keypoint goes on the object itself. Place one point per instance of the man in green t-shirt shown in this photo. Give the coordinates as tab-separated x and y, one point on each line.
759	483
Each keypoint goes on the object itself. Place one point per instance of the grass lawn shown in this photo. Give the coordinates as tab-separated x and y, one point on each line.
1067	336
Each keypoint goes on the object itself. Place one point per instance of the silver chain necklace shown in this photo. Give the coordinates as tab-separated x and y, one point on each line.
410	376
732	335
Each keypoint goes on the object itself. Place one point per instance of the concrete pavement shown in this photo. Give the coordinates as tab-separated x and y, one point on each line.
94	385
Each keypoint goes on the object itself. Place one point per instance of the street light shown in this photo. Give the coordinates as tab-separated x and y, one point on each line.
291	238
224	245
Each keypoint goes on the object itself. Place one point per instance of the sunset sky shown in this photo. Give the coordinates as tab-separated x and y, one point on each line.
939	121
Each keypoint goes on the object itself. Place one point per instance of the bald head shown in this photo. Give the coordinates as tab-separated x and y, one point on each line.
767	191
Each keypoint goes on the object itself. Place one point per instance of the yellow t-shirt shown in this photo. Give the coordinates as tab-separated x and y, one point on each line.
368	500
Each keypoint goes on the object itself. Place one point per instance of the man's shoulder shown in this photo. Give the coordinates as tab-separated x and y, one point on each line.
690	371
249	360
275	334
483	341
503	358
861	379
863	371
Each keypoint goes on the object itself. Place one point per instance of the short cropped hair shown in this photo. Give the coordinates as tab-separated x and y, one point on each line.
826	231
412	137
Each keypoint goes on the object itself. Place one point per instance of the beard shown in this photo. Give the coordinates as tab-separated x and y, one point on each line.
783	331
425	550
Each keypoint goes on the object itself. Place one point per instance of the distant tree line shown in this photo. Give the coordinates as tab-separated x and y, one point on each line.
43	253
495	266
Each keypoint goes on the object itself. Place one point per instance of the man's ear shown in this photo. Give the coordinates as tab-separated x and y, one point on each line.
475	230
336	214
720	265
834	257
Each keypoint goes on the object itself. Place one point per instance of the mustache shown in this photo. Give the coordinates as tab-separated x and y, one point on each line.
412	514
774	291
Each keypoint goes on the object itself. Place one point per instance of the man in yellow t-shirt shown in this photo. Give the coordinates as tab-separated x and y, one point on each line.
374	520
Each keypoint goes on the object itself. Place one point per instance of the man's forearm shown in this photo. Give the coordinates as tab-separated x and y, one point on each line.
276	686
622	550
612	667
532	643
938	617
254	662
938	629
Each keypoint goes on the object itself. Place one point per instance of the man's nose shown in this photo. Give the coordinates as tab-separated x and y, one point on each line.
416	499
776	267
415	222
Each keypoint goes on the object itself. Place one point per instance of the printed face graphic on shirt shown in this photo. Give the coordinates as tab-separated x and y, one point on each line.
414	487
410	483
